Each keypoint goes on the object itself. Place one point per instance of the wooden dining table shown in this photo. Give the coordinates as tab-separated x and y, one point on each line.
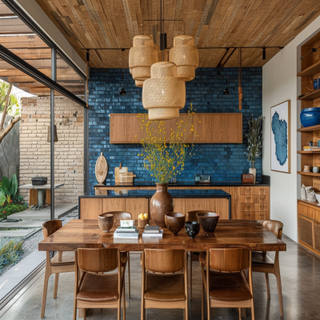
87	234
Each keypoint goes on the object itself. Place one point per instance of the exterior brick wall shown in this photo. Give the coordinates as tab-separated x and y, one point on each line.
223	162
35	150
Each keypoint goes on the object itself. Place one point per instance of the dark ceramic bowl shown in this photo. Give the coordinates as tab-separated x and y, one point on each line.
105	221
174	221
192	228
310	117
208	221
192	215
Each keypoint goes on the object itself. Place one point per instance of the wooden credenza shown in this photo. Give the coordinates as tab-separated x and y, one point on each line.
247	202
210	128
91	207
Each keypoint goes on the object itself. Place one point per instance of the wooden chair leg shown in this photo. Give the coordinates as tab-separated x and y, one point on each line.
75	309
84	314
266	276
202	300
252	310
191	256
129	286
45	290
124	301
56	282
278	277
239	313
143	315
119	310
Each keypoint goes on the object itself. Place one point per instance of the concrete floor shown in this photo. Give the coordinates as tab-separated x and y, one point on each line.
300	271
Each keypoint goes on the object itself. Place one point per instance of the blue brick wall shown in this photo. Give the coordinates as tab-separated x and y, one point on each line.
224	162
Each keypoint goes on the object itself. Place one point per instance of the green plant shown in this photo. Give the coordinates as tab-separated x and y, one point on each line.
254	138
9	209
9	187
13	105
10	252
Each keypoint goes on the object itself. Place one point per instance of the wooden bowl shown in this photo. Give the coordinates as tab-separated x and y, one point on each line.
208	220
105	221
192	215
142	223
174	221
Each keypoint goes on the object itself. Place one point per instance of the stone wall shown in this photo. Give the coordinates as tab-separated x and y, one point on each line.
35	150
223	162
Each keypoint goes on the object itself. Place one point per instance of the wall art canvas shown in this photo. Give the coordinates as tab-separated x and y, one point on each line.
280	137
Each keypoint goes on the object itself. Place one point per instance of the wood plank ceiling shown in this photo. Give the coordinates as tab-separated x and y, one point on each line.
213	23
16	36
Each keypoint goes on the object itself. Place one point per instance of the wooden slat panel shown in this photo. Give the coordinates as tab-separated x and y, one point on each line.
305	231
136	206
113	204
90	208
179	205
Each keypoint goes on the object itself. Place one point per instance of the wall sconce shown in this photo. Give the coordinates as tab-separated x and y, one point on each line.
225	92
55	134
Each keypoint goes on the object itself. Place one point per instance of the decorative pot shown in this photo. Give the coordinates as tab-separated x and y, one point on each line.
253	171
310	117
160	204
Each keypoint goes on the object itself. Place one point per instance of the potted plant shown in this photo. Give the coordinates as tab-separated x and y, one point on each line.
254	142
165	158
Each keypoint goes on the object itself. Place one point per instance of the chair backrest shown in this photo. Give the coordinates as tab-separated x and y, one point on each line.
192	215
120	215
229	259
164	261
274	226
97	260
50	227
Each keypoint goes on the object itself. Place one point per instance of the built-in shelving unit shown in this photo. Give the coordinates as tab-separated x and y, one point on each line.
309	212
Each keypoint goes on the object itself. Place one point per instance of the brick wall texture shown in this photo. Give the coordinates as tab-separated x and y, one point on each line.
223	162
35	150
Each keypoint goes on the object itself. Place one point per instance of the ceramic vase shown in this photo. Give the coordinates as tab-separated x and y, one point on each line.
160	204
253	171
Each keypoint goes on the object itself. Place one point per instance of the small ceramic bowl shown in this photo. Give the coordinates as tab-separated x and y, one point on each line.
192	228
192	215
174	221
105	221
208	221
315	169
142	223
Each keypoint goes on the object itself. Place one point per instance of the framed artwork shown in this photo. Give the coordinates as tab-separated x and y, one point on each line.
280	137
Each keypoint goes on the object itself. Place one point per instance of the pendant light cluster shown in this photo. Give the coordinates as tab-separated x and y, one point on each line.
163	82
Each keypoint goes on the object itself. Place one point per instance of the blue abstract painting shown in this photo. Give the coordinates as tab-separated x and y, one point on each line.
280	137
279	129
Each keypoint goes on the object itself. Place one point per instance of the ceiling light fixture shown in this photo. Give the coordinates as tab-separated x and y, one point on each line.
225	92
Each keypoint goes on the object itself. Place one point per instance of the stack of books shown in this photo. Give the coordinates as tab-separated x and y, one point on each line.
311	148
126	233
152	232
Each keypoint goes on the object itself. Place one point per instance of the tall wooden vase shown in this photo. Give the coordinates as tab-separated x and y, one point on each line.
160	204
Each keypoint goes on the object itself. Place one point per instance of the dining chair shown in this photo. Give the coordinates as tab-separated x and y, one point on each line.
262	262
62	262
125	256
193	256
98	287
164	282
227	279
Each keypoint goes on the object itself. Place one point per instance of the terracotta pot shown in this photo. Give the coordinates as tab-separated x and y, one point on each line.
142	223
105	221
160	204
175	222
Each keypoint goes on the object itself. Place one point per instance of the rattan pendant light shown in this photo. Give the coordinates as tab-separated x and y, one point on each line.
185	55
163	94
141	56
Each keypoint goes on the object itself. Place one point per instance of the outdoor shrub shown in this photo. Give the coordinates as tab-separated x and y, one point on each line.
8	209
10	252
9	187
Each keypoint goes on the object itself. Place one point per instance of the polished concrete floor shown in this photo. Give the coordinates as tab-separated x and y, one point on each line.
300	272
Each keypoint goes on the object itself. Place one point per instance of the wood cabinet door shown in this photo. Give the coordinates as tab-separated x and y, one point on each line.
220	206
179	205
234	128
90	208
218	128
134	134
196	204
136	206
117	126
113	204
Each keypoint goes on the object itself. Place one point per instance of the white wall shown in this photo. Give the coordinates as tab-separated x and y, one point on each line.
39	16
280	83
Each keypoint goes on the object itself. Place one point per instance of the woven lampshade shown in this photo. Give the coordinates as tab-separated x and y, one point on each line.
139	83
163	94
185	55
141	56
